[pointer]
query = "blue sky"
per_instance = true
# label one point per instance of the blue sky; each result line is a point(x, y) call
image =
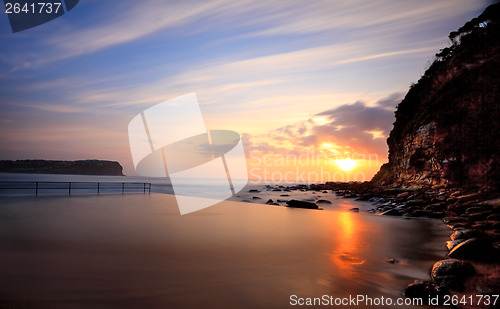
point(68, 88)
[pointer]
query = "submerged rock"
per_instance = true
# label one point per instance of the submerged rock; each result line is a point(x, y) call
point(392, 212)
point(392, 261)
point(301, 204)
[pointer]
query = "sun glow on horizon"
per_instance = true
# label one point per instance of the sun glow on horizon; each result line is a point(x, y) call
point(346, 164)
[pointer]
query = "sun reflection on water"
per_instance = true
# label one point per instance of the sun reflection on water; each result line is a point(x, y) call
point(346, 256)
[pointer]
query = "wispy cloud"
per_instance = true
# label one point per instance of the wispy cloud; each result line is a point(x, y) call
point(344, 130)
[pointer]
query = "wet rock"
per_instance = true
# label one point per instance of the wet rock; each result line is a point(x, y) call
point(392, 212)
point(423, 289)
point(284, 194)
point(417, 202)
point(386, 208)
point(323, 202)
point(392, 261)
point(467, 197)
point(256, 198)
point(324, 192)
point(450, 244)
point(281, 201)
point(253, 191)
point(301, 204)
point(465, 234)
point(493, 217)
point(355, 209)
point(475, 249)
point(403, 195)
point(270, 202)
point(450, 273)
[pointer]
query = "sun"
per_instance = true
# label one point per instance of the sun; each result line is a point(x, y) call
point(346, 164)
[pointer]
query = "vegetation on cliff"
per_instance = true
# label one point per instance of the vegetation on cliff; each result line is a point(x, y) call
point(447, 128)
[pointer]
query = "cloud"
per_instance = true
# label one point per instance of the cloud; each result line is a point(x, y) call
point(348, 129)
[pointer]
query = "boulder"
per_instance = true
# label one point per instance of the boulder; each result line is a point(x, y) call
point(465, 234)
point(450, 273)
point(323, 201)
point(301, 204)
point(423, 289)
point(355, 209)
point(475, 249)
point(270, 202)
point(403, 195)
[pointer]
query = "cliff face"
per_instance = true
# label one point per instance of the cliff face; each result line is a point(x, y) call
point(448, 125)
point(82, 167)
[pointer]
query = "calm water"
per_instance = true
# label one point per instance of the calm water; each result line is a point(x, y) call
point(136, 251)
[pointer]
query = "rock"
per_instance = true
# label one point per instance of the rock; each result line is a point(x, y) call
point(253, 191)
point(355, 209)
point(270, 202)
point(256, 198)
point(467, 197)
point(391, 261)
point(475, 249)
point(324, 192)
point(403, 195)
point(323, 202)
point(423, 289)
point(276, 190)
point(465, 234)
point(301, 204)
point(450, 244)
point(493, 217)
point(416, 202)
point(392, 212)
point(450, 273)
point(284, 194)
point(281, 201)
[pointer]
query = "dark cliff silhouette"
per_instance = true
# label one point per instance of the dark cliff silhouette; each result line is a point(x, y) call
point(81, 167)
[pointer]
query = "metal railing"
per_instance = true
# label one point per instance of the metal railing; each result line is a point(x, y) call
point(75, 186)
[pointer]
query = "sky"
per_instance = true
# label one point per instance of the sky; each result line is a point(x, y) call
point(319, 79)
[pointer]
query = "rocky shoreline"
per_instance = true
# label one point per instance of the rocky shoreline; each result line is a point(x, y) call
point(472, 266)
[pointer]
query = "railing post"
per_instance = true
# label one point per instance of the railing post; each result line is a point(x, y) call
point(36, 188)
point(98, 187)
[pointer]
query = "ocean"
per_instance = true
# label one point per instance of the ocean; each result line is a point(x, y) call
point(135, 250)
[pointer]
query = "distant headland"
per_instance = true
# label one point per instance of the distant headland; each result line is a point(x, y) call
point(80, 167)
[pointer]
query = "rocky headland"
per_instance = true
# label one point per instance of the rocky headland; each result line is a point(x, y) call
point(80, 167)
point(444, 153)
